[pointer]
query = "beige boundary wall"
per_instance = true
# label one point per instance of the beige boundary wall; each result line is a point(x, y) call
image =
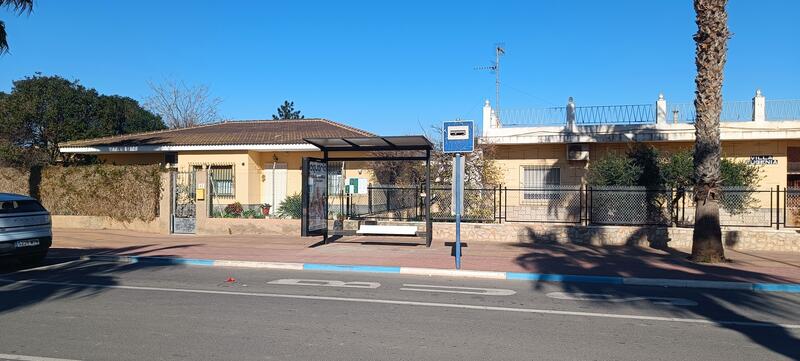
point(100, 222)
point(220, 226)
point(742, 239)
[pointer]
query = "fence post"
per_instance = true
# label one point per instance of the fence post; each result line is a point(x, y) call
point(785, 205)
point(778, 207)
point(506, 208)
point(589, 204)
point(580, 205)
point(683, 207)
point(369, 198)
point(494, 204)
point(673, 215)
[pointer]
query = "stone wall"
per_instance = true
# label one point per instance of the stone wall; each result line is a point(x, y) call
point(744, 239)
point(100, 222)
point(285, 227)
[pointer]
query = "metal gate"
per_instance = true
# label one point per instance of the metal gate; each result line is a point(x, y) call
point(184, 211)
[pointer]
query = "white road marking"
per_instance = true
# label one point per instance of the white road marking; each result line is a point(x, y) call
point(454, 289)
point(30, 358)
point(324, 283)
point(410, 303)
point(602, 297)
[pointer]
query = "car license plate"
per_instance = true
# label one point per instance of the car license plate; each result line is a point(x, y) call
point(26, 243)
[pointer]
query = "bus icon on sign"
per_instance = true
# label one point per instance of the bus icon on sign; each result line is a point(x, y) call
point(458, 132)
point(458, 136)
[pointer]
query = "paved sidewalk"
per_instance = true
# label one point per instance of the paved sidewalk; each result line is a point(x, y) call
point(755, 267)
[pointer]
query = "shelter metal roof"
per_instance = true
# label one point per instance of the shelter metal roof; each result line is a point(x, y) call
point(376, 143)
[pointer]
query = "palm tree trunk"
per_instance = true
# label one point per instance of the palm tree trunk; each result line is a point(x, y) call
point(710, 54)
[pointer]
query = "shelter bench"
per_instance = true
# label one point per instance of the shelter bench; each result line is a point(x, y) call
point(375, 229)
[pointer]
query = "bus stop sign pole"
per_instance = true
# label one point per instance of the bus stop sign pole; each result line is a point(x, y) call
point(458, 139)
point(458, 193)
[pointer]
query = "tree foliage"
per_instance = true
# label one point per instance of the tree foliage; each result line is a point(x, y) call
point(614, 170)
point(18, 6)
point(480, 169)
point(286, 111)
point(181, 105)
point(645, 165)
point(43, 111)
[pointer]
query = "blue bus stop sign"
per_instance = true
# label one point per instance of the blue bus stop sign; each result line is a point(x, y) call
point(458, 136)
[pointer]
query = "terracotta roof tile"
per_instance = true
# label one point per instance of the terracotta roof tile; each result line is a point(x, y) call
point(232, 133)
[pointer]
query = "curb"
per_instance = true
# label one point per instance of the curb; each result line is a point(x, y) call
point(521, 276)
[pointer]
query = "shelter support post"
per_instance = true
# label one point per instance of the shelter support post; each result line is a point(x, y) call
point(428, 221)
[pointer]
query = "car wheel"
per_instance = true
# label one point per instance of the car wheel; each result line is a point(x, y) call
point(34, 259)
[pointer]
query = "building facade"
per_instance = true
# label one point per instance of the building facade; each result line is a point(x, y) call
point(250, 162)
point(554, 146)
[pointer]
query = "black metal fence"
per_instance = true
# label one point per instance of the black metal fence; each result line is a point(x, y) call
point(742, 207)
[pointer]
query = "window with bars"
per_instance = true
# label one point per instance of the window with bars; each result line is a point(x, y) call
point(538, 179)
point(222, 179)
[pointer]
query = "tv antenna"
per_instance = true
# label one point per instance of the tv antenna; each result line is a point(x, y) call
point(499, 50)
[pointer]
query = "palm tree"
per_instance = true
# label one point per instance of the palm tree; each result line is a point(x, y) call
point(17, 6)
point(711, 49)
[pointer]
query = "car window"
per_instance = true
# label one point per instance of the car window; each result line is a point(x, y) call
point(23, 206)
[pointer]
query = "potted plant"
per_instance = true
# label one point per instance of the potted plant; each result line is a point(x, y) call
point(265, 209)
point(234, 210)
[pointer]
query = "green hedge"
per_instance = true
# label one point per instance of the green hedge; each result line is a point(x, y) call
point(122, 192)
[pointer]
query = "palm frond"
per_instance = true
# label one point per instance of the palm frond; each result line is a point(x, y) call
point(18, 6)
point(3, 42)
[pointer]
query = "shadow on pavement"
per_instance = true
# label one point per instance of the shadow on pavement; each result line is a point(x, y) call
point(722, 307)
point(68, 275)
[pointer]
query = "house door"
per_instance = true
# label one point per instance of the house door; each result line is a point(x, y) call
point(275, 180)
point(183, 210)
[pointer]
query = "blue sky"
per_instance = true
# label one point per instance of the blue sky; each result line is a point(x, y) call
point(389, 66)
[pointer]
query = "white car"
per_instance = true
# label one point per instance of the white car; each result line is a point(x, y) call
point(26, 232)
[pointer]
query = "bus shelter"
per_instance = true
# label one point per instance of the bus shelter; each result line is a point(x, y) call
point(389, 219)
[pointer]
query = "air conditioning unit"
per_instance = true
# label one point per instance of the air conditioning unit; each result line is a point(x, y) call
point(577, 152)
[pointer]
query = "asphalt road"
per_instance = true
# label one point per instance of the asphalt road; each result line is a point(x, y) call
point(84, 310)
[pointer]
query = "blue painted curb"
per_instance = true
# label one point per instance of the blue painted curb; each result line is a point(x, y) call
point(776, 287)
point(518, 276)
point(563, 278)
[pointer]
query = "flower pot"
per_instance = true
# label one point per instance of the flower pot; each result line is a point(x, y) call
point(265, 211)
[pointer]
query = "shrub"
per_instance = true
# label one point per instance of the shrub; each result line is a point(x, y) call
point(234, 209)
point(291, 207)
point(122, 192)
point(644, 166)
point(614, 170)
point(252, 213)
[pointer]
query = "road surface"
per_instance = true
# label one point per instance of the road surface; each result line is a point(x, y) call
point(87, 310)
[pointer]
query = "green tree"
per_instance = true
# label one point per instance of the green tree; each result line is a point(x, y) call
point(17, 6)
point(711, 42)
point(648, 159)
point(123, 115)
point(43, 111)
point(614, 169)
point(678, 169)
point(286, 111)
